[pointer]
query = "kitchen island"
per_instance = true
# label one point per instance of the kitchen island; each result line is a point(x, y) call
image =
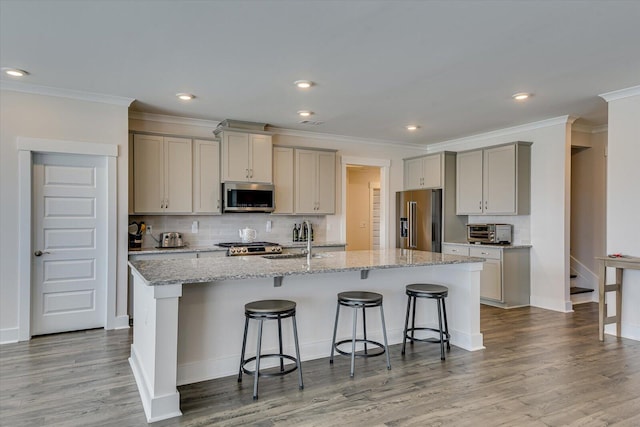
point(189, 313)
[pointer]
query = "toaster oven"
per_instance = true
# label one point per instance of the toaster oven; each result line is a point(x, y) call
point(490, 233)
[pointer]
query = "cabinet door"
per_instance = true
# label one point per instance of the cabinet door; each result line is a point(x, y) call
point(500, 180)
point(413, 174)
point(206, 176)
point(178, 194)
point(306, 179)
point(283, 179)
point(491, 280)
point(491, 275)
point(469, 183)
point(235, 156)
point(260, 160)
point(432, 171)
point(148, 173)
point(326, 193)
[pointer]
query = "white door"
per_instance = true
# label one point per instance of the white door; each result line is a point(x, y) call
point(69, 243)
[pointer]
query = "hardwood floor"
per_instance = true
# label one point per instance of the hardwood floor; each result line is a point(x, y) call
point(540, 368)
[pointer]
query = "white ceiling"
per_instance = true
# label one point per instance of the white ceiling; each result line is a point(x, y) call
point(449, 66)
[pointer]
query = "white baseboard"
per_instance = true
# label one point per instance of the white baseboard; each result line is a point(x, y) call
point(551, 304)
point(122, 322)
point(629, 331)
point(9, 335)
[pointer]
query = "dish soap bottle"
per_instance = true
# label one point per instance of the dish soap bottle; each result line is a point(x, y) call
point(295, 233)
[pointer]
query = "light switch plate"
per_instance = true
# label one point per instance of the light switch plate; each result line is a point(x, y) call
point(194, 227)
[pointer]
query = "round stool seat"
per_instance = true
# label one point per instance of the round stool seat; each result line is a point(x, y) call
point(427, 290)
point(360, 297)
point(269, 306)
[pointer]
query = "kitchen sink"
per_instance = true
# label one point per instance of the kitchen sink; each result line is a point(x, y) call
point(294, 255)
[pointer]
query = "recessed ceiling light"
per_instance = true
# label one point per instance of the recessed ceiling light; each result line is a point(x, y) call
point(521, 96)
point(185, 96)
point(412, 127)
point(305, 113)
point(303, 84)
point(14, 72)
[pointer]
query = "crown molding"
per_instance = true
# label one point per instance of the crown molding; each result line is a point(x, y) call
point(589, 128)
point(619, 94)
point(600, 129)
point(562, 120)
point(176, 120)
point(65, 93)
point(342, 138)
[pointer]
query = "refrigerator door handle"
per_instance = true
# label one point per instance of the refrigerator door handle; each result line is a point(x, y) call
point(412, 208)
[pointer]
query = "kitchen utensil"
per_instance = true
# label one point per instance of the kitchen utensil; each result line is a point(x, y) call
point(247, 235)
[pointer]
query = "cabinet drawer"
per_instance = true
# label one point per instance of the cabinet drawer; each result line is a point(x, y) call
point(455, 250)
point(489, 253)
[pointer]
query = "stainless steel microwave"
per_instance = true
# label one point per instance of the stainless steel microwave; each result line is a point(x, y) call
point(248, 197)
point(490, 233)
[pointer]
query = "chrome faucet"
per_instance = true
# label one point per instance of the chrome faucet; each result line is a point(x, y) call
point(308, 252)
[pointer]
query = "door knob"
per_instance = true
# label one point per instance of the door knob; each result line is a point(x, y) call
point(40, 253)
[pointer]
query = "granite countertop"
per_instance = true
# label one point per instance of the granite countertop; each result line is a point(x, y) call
point(200, 270)
point(190, 249)
point(487, 245)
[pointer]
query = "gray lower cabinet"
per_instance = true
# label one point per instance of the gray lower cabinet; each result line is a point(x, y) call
point(505, 277)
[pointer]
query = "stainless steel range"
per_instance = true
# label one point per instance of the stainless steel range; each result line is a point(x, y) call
point(253, 248)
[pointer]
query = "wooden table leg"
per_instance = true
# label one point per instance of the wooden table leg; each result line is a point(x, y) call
point(619, 302)
point(602, 306)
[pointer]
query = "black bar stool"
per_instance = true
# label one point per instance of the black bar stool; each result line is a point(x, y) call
point(439, 293)
point(269, 310)
point(356, 300)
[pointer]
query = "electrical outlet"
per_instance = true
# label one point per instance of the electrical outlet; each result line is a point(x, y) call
point(194, 227)
point(268, 227)
point(149, 229)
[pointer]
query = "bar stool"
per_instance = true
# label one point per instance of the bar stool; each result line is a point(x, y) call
point(429, 291)
point(269, 310)
point(356, 300)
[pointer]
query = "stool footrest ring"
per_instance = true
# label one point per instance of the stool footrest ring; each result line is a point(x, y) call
point(377, 350)
point(445, 336)
point(274, 374)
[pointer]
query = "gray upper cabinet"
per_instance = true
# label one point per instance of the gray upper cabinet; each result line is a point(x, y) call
point(246, 157)
point(162, 168)
point(494, 181)
point(423, 172)
point(206, 177)
point(315, 182)
point(283, 179)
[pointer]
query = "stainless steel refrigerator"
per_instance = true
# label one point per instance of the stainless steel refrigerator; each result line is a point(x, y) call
point(419, 220)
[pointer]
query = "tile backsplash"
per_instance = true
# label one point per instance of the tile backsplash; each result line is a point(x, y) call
point(214, 229)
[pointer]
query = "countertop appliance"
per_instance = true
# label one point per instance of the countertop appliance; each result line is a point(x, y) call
point(171, 239)
point(419, 220)
point(497, 234)
point(248, 197)
point(252, 248)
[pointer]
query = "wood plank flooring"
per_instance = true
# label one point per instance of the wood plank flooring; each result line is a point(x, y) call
point(540, 368)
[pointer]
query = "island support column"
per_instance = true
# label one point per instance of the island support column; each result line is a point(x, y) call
point(154, 351)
